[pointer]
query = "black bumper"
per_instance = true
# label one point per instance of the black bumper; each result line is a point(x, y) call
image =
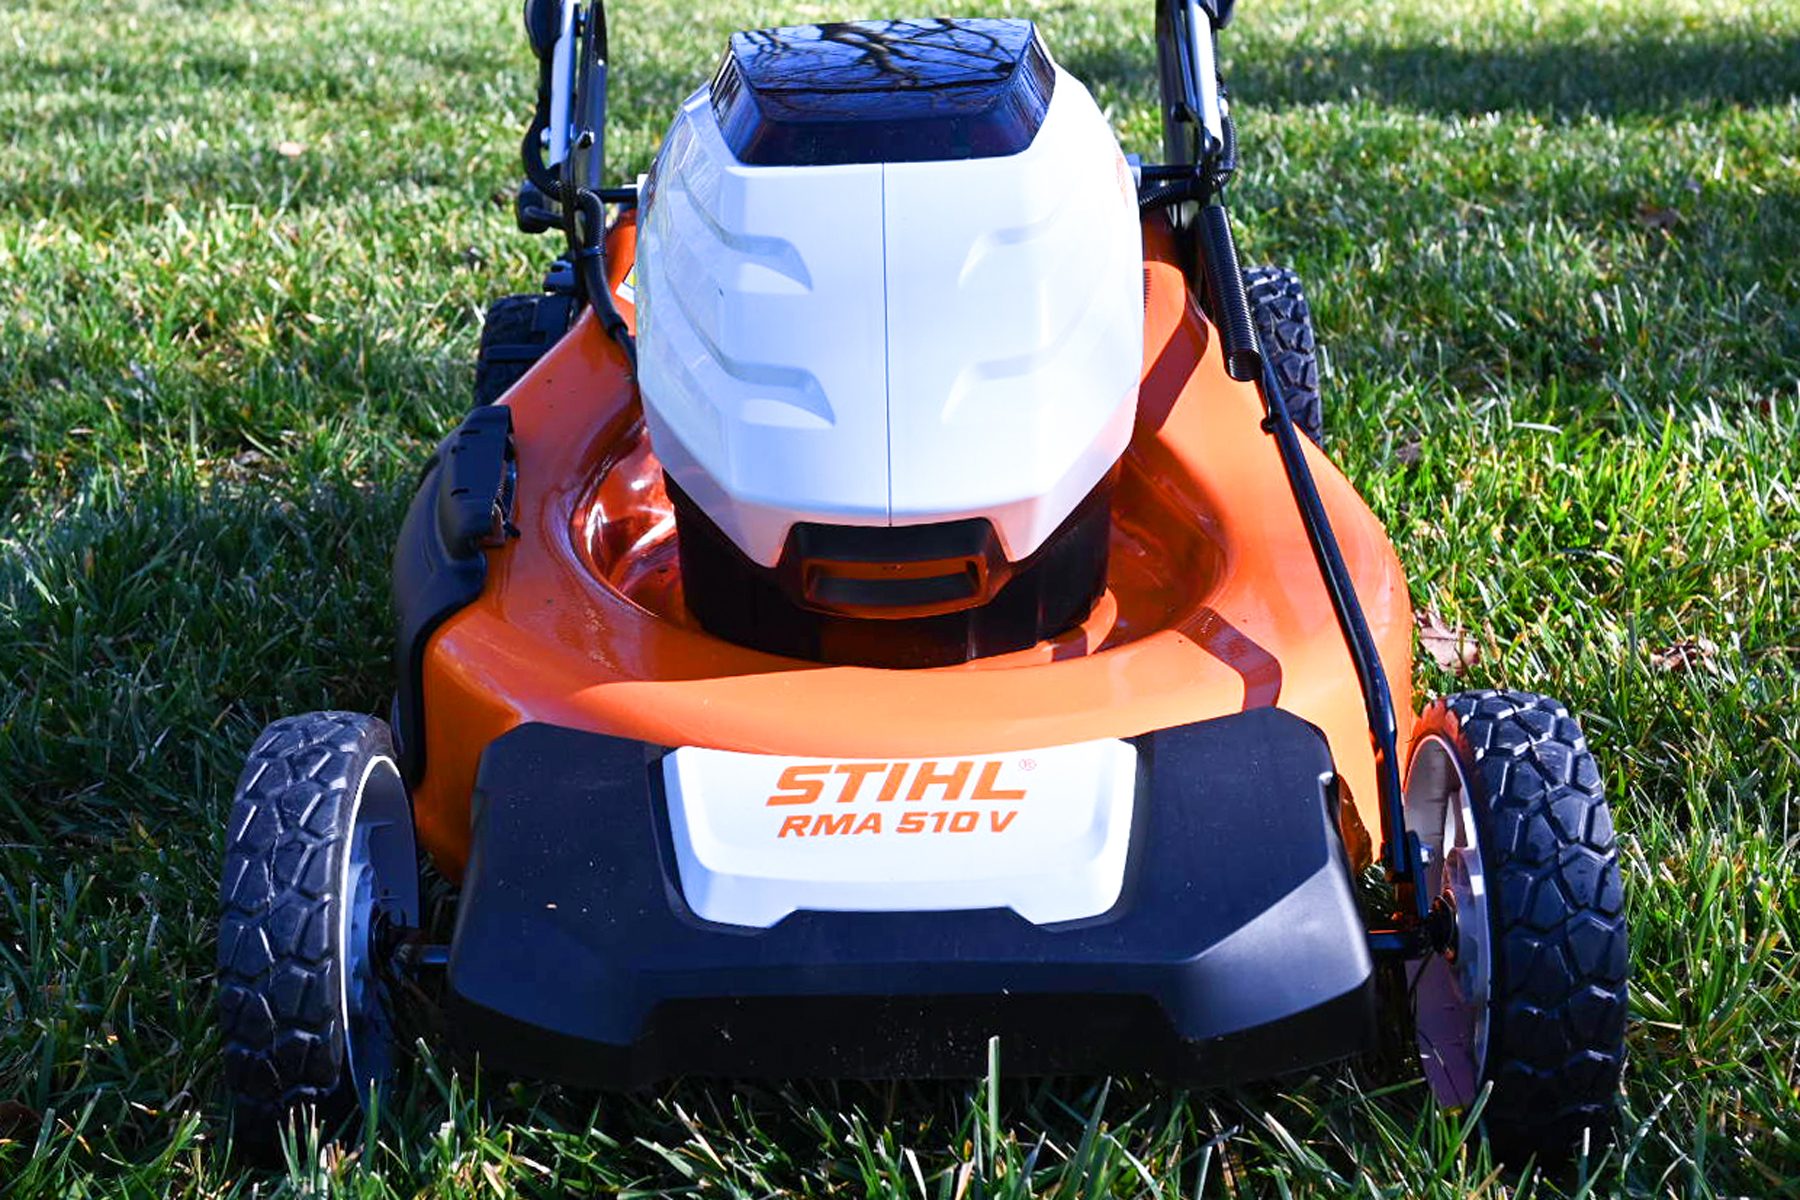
point(1235, 950)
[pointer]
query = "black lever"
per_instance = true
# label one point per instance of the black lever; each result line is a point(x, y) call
point(543, 25)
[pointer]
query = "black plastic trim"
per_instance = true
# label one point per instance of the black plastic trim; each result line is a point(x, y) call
point(926, 1037)
point(463, 505)
point(1236, 948)
point(895, 596)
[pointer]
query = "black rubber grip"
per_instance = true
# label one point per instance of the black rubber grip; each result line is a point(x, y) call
point(1231, 303)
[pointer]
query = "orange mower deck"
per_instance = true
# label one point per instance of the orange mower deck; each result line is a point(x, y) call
point(1214, 601)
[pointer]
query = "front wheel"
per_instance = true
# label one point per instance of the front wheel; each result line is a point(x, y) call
point(320, 864)
point(1529, 995)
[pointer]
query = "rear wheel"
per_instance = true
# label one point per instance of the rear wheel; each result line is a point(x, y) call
point(320, 863)
point(1284, 326)
point(517, 331)
point(1530, 996)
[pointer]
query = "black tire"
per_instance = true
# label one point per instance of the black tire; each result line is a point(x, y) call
point(290, 1015)
point(517, 331)
point(1284, 325)
point(1555, 1046)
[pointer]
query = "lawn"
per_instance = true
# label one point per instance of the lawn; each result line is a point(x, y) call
point(1554, 249)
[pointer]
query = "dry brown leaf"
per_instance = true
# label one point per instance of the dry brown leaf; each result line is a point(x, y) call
point(1690, 654)
point(1655, 216)
point(19, 1120)
point(1450, 648)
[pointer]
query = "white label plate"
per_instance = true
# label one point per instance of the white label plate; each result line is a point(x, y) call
point(1042, 832)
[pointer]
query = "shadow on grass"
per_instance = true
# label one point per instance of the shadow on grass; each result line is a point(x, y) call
point(1649, 74)
point(343, 397)
point(320, 74)
point(104, 195)
point(155, 625)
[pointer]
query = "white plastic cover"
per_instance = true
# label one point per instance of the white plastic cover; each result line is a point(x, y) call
point(1043, 832)
point(900, 343)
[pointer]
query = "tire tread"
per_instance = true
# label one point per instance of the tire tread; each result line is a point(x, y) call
point(283, 1045)
point(517, 331)
point(1556, 1042)
point(1284, 325)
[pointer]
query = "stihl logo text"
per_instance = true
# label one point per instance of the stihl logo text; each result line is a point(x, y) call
point(808, 784)
point(957, 782)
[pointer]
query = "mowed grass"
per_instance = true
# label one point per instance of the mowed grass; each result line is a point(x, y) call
point(1554, 251)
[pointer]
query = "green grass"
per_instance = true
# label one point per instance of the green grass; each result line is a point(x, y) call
point(1554, 249)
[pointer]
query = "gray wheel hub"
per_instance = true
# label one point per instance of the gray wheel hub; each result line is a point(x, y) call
point(1451, 990)
point(379, 885)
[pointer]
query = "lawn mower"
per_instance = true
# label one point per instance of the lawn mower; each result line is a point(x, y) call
point(888, 596)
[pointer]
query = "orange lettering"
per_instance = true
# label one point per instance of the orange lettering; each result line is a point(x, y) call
point(952, 783)
point(985, 789)
point(1001, 820)
point(795, 825)
point(857, 772)
point(870, 824)
point(891, 787)
point(959, 825)
point(797, 786)
point(824, 824)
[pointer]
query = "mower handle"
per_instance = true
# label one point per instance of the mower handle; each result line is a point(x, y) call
point(1188, 77)
point(1200, 149)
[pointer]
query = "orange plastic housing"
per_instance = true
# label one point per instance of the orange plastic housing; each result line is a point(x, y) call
point(1214, 602)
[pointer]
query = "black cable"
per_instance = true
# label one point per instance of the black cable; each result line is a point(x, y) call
point(1160, 194)
point(1227, 163)
point(532, 151)
point(1230, 300)
point(587, 221)
point(1371, 676)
